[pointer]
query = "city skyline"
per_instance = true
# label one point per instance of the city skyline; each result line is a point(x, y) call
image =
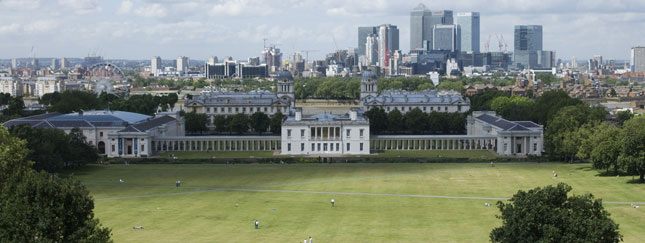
point(199, 29)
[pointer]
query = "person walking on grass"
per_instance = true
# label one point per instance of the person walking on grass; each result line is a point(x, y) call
point(257, 224)
point(332, 202)
point(311, 240)
point(178, 183)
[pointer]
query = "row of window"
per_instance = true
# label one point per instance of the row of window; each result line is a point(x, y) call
point(324, 147)
point(409, 108)
point(348, 132)
point(243, 109)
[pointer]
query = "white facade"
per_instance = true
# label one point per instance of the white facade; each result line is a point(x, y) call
point(155, 66)
point(325, 134)
point(182, 64)
point(514, 138)
point(49, 84)
point(11, 85)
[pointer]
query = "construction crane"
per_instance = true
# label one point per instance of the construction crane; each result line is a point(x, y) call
point(487, 44)
point(307, 53)
point(264, 40)
point(335, 44)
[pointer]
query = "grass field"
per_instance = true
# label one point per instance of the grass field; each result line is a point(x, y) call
point(374, 202)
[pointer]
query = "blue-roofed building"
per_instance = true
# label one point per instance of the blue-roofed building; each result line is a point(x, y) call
point(111, 132)
point(404, 101)
point(516, 138)
point(325, 134)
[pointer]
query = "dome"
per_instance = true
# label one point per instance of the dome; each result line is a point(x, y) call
point(285, 75)
point(369, 75)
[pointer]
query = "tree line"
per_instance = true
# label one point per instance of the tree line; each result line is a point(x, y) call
point(258, 123)
point(415, 122)
point(74, 101)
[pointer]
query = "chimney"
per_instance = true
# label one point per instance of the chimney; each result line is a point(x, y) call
point(298, 114)
point(353, 114)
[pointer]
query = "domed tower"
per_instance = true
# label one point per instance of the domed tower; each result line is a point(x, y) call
point(369, 86)
point(286, 86)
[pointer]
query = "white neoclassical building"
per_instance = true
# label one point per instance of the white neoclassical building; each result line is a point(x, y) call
point(516, 138)
point(404, 101)
point(325, 134)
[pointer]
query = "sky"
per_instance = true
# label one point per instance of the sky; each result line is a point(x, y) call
point(140, 29)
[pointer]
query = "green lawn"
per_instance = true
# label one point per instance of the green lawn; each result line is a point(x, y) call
point(218, 154)
point(480, 154)
point(204, 208)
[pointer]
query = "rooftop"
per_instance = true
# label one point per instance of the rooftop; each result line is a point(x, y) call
point(507, 125)
point(418, 97)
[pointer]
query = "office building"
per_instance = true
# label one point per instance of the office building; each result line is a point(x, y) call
point(388, 42)
point(363, 33)
point(545, 59)
point(49, 84)
point(422, 22)
point(155, 66)
point(55, 64)
point(182, 65)
point(372, 50)
point(469, 24)
point(637, 60)
point(325, 134)
point(14, 63)
point(446, 37)
point(64, 63)
point(528, 41)
point(272, 57)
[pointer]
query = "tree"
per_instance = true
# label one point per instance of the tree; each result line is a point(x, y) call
point(259, 122)
point(276, 123)
point(39, 207)
point(447, 85)
point(15, 106)
point(624, 116)
point(549, 103)
point(549, 215)
point(513, 108)
point(632, 156)
point(437, 122)
point(378, 120)
point(612, 92)
point(239, 123)
point(13, 156)
point(560, 136)
point(482, 101)
point(221, 123)
point(415, 120)
point(196, 123)
point(395, 121)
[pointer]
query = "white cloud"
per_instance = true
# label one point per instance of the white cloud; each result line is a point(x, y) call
point(17, 5)
point(152, 10)
point(252, 8)
point(9, 29)
point(125, 7)
point(82, 6)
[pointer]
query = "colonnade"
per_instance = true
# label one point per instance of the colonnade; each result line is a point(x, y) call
point(196, 143)
point(433, 143)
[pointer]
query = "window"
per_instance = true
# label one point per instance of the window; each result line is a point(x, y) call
point(143, 148)
point(237, 109)
point(402, 108)
point(318, 147)
point(288, 132)
point(424, 108)
point(302, 147)
point(302, 132)
point(505, 146)
point(265, 109)
point(348, 132)
point(535, 147)
point(361, 146)
point(337, 146)
point(243, 109)
point(459, 108)
point(325, 148)
point(432, 108)
point(347, 146)
point(361, 132)
point(388, 108)
point(112, 147)
point(313, 147)
point(445, 108)
point(208, 110)
point(288, 146)
point(229, 109)
point(101, 134)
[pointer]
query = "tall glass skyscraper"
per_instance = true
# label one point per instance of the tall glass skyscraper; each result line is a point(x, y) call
point(422, 22)
point(469, 22)
point(363, 33)
point(446, 37)
point(528, 41)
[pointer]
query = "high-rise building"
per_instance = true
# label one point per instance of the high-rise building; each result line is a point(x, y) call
point(14, 63)
point(546, 59)
point(420, 18)
point(363, 33)
point(272, 58)
point(528, 41)
point(446, 37)
point(55, 65)
point(469, 24)
point(155, 66)
point(182, 64)
point(64, 63)
point(212, 60)
point(371, 48)
point(422, 22)
point(637, 61)
point(388, 42)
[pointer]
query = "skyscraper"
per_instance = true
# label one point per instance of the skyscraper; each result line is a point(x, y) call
point(422, 22)
point(155, 66)
point(55, 64)
point(388, 42)
point(182, 64)
point(272, 58)
point(371, 50)
point(528, 41)
point(363, 33)
point(420, 17)
point(14, 63)
point(469, 23)
point(637, 61)
point(64, 63)
point(446, 37)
